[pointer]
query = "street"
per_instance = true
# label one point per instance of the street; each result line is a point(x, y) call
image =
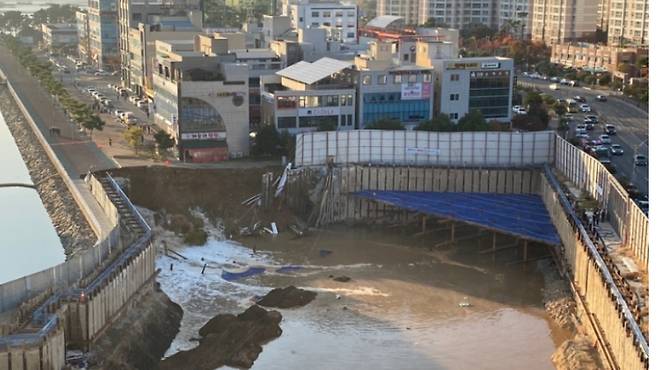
point(631, 122)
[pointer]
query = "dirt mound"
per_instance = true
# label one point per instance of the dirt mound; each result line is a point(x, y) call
point(576, 353)
point(287, 297)
point(342, 279)
point(229, 340)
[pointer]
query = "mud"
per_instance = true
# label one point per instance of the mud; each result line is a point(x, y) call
point(342, 279)
point(70, 224)
point(577, 353)
point(288, 297)
point(229, 340)
point(139, 339)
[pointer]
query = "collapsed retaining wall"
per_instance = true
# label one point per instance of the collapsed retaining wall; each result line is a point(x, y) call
point(602, 309)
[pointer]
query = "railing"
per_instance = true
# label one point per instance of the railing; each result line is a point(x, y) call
point(614, 293)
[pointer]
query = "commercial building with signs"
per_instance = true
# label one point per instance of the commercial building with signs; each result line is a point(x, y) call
point(103, 33)
point(387, 90)
point(59, 35)
point(307, 95)
point(470, 84)
point(82, 24)
point(201, 98)
point(339, 17)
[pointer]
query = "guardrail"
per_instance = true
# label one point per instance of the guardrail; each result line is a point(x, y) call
point(617, 299)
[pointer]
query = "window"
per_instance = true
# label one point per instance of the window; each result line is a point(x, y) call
point(326, 14)
point(315, 24)
point(346, 100)
point(413, 78)
point(301, 19)
point(454, 115)
point(350, 35)
point(326, 24)
point(454, 77)
point(315, 14)
point(350, 14)
point(427, 77)
point(406, 57)
point(339, 14)
point(286, 102)
point(397, 79)
point(381, 79)
point(286, 122)
point(454, 97)
point(367, 79)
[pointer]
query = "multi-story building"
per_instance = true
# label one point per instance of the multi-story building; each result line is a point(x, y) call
point(340, 18)
point(82, 24)
point(202, 99)
point(405, 9)
point(558, 21)
point(260, 62)
point(595, 58)
point(627, 22)
point(388, 90)
point(457, 13)
point(130, 13)
point(475, 84)
point(59, 35)
point(515, 16)
point(307, 95)
point(103, 33)
point(142, 49)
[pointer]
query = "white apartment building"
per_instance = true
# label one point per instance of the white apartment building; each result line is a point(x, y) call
point(558, 21)
point(516, 15)
point(457, 13)
point(340, 18)
point(407, 9)
point(627, 22)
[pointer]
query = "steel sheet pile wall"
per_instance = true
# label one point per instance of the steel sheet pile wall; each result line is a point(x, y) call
point(341, 206)
point(463, 149)
point(604, 313)
point(586, 172)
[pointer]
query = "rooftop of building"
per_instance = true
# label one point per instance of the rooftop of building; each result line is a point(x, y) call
point(254, 54)
point(310, 73)
point(386, 21)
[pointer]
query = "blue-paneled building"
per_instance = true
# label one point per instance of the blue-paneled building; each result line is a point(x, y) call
point(103, 34)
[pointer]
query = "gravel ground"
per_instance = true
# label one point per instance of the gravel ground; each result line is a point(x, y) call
point(70, 224)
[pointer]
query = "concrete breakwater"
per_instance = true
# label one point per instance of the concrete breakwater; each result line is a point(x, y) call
point(69, 222)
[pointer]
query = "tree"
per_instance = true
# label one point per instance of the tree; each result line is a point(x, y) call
point(386, 124)
point(472, 121)
point(267, 140)
point(560, 110)
point(439, 123)
point(93, 122)
point(532, 98)
point(326, 125)
point(133, 136)
point(163, 141)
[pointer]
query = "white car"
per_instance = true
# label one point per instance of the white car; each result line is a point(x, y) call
point(522, 111)
point(515, 109)
point(142, 104)
point(119, 112)
point(585, 108)
point(605, 139)
point(126, 115)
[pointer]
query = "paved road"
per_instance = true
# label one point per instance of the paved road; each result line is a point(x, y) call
point(74, 149)
point(632, 125)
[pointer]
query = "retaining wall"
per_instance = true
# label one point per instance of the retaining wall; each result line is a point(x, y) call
point(341, 206)
point(604, 311)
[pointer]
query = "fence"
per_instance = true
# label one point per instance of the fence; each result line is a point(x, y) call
point(462, 149)
point(607, 311)
point(587, 173)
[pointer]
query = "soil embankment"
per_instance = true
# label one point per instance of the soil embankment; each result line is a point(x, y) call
point(218, 192)
point(229, 340)
point(70, 224)
point(287, 297)
point(139, 339)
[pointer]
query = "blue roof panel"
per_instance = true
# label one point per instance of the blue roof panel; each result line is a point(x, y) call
point(522, 215)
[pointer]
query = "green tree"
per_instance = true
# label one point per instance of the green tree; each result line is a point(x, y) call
point(326, 125)
point(133, 136)
point(93, 122)
point(532, 98)
point(163, 141)
point(386, 124)
point(267, 141)
point(439, 123)
point(472, 121)
point(560, 110)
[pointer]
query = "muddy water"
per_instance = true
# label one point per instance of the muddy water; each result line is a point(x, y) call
point(400, 310)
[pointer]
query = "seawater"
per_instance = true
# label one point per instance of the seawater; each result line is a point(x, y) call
point(28, 240)
point(400, 311)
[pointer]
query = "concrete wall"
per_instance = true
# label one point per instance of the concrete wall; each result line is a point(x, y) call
point(464, 149)
point(602, 309)
point(587, 173)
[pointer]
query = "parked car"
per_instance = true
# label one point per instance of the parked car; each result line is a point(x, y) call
point(601, 98)
point(592, 117)
point(133, 99)
point(118, 113)
point(555, 79)
point(581, 127)
point(554, 87)
point(610, 130)
point(125, 115)
point(589, 126)
point(605, 139)
point(582, 135)
point(579, 99)
point(564, 81)
point(515, 108)
point(130, 120)
point(640, 160)
point(123, 92)
point(142, 104)
point(585, 108)
point(616, 149)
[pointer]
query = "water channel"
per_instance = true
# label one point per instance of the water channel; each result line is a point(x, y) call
point(28, 241)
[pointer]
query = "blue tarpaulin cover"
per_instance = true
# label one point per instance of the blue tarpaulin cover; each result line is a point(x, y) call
point(522, 215)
